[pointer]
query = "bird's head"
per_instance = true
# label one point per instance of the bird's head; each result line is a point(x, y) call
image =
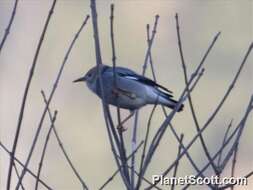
point(89, 77)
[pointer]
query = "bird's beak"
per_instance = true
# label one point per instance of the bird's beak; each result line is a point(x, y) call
point(80, 79)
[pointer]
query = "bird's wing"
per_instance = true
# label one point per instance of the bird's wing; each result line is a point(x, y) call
point(129, 74)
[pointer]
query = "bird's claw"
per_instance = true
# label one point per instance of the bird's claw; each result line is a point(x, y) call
point(121, 128)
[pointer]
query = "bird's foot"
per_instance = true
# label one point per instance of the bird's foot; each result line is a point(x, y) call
point(121, 128)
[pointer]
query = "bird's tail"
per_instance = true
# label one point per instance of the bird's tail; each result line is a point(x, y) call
point(166, 100)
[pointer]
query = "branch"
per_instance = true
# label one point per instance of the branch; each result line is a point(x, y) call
point(150, 43)
point(176, 166)
point(115, 173)
point(50, 98)
point(7, 30)
point(170, 116)
point(44, 150)
point(144, 147)
point(236, 142)
point(194, 116)
point(234, 163)
point(237, 130)
point(148, 56)
point(28, 84)
point(27, 169)
point(123, 158)
point(61, 144)
point(17, 173)
point(224, 139)
point(107, 116)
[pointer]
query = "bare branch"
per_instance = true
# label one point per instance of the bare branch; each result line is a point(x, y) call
point(238, 130)
point(23, 104)
point(148, 56)
point(61, 144)
point(170, 116)
point(176, 166)
point(115, 173)
point(7, 30)
point(107, 116)
point(17, 173)
point(27, 169)
point(194, 116)
point(51, 97)
point(224, 139)
point(234, 163)
point(44, 150)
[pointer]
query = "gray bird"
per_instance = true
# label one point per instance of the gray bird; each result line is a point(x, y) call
point(132, 91)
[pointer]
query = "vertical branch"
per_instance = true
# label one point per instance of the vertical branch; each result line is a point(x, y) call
point(171, 127)
point(234, 163)
point(95, 30)
point(44, 150)
point(133, 143)
point(115, 173)
point(237, 140)
point(194, 116)
point(150, 43)
point(108, 120)
point(123, 158)
point(61, 144)
point(28, 84)
point(17, 173)
point(50, 98)
point(165, 114)
point(238, 130)
point(224, 140)
point(177, 163)
point(7, 30)
point(144, 147)
point(163, 127)
point(148, 56)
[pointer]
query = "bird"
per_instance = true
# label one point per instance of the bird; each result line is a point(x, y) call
point(127, 89)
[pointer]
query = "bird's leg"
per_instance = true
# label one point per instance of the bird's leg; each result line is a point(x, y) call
point(120, 126)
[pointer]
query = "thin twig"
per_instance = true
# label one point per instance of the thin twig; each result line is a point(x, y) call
point(7, 30)
point(44, 150)
point(170, 116)
point(123, 158)
point(107, 116)
point(171, 127)
point(116, 172)
point(220, 104)
point(224, 139)
point(236, 142)
point(51, 97)
point(148, 56)
point(234, 163)
point(17, 173)
point(28, 170)
point(194, 116)
point(143, 178)
point(145, 144)
point(164, 111)
point(23, 104)
point(61, 144)
point(151, 40)
point(176, 166)
point(237, 130)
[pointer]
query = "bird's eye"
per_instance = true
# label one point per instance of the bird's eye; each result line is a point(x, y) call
point(89, 75)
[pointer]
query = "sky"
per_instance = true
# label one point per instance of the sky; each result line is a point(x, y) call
point(80, 121)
